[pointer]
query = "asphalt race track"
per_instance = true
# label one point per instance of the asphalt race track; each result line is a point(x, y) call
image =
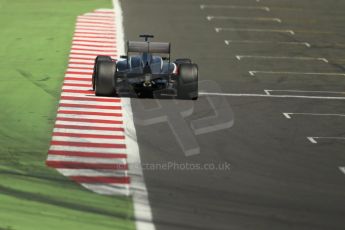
point(278, 178)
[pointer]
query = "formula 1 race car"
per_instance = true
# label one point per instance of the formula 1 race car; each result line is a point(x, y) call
point(146, 73)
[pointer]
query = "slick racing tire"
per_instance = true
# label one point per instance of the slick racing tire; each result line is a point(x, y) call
point(105, 79)
point(95, 67)
point(187, 82)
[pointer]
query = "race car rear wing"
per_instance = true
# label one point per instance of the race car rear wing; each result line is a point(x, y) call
point(148, 47)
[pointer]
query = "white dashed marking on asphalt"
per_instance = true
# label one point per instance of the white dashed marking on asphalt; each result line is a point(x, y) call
point(211, 17)
point(342, 169)
point(235, 7)
point(268, 91)
point(289, 115)
point(228, 42)
point(254, 72)
point(269, 96)
point(314, 139)
point(220, 29)
point(240, 57)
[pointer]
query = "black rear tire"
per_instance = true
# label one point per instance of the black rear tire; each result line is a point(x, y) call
point(95, 67)
point(105, 79)
point(187, 82)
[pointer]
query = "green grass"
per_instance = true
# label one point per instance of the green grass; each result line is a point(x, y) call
point(34, 45)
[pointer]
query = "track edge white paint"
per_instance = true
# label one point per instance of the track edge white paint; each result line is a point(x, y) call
point(138, 190)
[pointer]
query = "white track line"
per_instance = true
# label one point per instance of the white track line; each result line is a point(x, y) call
point(88, 140)
point(92, 35)
point(96, 21)
point(314, 140)
point(80, 65)
point(77, 88)
point(93, 98)
point(228, 42)
point(110, 110)
point(289, 115)
point(76, 60)
point(292, 32)
point(83, 131)
point(100, 40)
point(99, 15)
point(108, 189)
point(235, 7)
point(220, 29)
point(72, 65)
point(92, 45)
point(93, 27)
point(254, 72)
point(112, 49)
point(211, 18)
point(342, 169)
point(108, 19)
point(91, 124)
point(86, 149)
point(105, 11)
point(93, 52)
point(84, 81)
point(79, 81)
point(99, 21)
point(81, 76)
point(90, 102)
point(77, 94)
point(269, 96)
point(95, 160)
point(93, 172)
point(72, 56)
point(93, 31)
point(142, 209)
point(95, 117)
point(313, 32)
point(79, 70)
point(240, 57)
point(91, 57)
point(268, 91)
